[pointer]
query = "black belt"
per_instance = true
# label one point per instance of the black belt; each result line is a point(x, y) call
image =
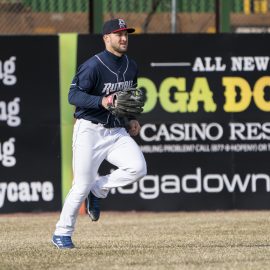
point(94, 122)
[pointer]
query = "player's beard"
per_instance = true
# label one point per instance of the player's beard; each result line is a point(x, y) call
point(120, 49)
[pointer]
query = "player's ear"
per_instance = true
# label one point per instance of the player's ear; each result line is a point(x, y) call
point(105, 38)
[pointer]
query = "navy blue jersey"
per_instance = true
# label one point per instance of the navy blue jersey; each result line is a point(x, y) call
point(99, 76)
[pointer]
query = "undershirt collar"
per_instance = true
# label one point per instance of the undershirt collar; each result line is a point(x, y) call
point(114, 57)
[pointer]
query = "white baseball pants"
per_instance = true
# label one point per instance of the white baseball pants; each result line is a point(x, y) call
point(92, 143)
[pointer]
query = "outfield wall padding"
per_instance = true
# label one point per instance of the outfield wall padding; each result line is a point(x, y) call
point(205, 129)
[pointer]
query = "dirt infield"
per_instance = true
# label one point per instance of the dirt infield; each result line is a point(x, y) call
point(138, 240)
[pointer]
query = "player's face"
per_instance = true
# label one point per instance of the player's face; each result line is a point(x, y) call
point(117, 43)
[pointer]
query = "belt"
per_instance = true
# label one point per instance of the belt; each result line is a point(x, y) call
point(104, 125)
point(94, 122)
point(108, 125)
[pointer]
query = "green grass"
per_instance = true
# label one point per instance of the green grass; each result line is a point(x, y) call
point(132, 240)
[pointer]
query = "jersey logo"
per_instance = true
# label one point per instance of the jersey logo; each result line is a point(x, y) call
point(113, 87)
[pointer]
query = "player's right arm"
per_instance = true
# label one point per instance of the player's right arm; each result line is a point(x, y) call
point(81, 86)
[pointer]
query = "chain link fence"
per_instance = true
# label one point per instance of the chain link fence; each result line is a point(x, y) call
point(147, 16)
point(43, 16)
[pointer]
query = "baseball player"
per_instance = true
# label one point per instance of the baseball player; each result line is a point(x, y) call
point(99, 134)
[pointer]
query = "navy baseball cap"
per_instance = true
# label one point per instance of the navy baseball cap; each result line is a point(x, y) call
point(116, 25)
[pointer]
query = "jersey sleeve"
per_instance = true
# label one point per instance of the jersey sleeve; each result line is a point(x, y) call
point(83, 83)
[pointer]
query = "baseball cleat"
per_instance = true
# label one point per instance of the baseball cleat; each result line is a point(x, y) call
point(93, 207)
point(62, 242)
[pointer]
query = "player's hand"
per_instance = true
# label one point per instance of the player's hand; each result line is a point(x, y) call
point(108, 101)
point(134, 128)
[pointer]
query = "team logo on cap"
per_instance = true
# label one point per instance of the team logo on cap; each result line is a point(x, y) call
point(122, 23)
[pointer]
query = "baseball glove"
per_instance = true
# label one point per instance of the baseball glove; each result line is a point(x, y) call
point(127, 103)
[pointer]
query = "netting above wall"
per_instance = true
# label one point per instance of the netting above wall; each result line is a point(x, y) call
point(43, 16)
point(147, 16)
point(155, 16)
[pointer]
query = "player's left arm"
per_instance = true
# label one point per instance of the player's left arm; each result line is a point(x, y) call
point(134, 126)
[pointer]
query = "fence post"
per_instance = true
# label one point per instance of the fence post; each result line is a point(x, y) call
point(223, 8)
point(95, 16)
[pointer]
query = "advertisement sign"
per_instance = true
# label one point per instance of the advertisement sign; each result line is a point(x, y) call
point(205, 129)
point(30, 178)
